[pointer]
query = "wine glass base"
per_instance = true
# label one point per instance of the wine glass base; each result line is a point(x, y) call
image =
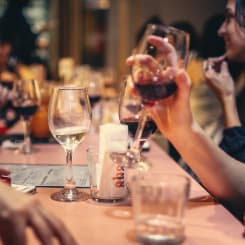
point(23, 150)
point(69, 195)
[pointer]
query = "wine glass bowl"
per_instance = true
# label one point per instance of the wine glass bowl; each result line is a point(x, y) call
point(161, 50)
point(69, 119)
point(95, 96)
point(26, 99)
point(94, 89)
point(130, 110)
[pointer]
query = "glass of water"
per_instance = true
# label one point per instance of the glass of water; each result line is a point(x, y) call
point(159, 201)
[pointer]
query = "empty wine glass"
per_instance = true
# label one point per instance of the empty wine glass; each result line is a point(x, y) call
point(130, 111)
point(161, 51)
point(69, 119)
point(26, 99)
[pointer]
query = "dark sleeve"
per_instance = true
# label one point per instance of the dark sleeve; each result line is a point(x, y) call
point(233, 142)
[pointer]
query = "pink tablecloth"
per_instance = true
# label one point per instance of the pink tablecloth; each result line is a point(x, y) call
point(206, 221)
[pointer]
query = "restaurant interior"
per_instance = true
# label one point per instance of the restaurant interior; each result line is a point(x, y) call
point(102, 33)
point(77, 35)
point(86, 43)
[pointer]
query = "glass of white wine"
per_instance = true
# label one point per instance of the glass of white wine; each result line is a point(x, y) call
point(69, 119)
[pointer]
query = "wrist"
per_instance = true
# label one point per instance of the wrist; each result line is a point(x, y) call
point(185, 141)
point(227, 99)
point(230, 111)
point(181, 133)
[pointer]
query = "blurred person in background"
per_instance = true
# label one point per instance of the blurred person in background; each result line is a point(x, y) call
point(8, 73)
point(204, 103)
point(25, 42)
point(14, 25)
point(18, 59)
point(219, 78)
point(208, 104)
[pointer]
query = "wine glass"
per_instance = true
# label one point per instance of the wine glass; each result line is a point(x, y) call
point(130, 111)
point(94, 89)
point(26, 99)
point(69, 119)
point(95, 96)
point(161, 51)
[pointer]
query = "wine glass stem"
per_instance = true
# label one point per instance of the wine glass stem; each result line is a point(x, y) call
point(136, 145)
point(27, 139)
point(70, 183)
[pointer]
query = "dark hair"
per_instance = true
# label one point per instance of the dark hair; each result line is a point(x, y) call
point(188, 27)
point(212, 44)
point(152, 20)
point(15, 30)
point(240, 12)
point(18, 3)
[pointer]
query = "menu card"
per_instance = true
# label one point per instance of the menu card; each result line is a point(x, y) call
point(46, 175)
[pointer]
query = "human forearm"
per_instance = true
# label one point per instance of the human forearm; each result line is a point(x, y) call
point(231, 117)
point(220, 174)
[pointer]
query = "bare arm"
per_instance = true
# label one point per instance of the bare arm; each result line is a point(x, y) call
point(223, 85)
point(222, 175)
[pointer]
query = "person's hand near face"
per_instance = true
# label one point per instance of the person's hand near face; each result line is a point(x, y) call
point(217, 76)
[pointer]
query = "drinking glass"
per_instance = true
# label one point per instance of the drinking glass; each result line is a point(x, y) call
point(69, 119)
point(130, 111)
point(161, 51)
point(26, 99)
point(94, 89)
point(159, 203)
point(95, 96)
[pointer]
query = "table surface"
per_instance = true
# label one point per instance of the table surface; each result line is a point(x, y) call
point(206, 222)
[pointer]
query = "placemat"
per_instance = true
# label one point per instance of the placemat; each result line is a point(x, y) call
point(45, 175)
